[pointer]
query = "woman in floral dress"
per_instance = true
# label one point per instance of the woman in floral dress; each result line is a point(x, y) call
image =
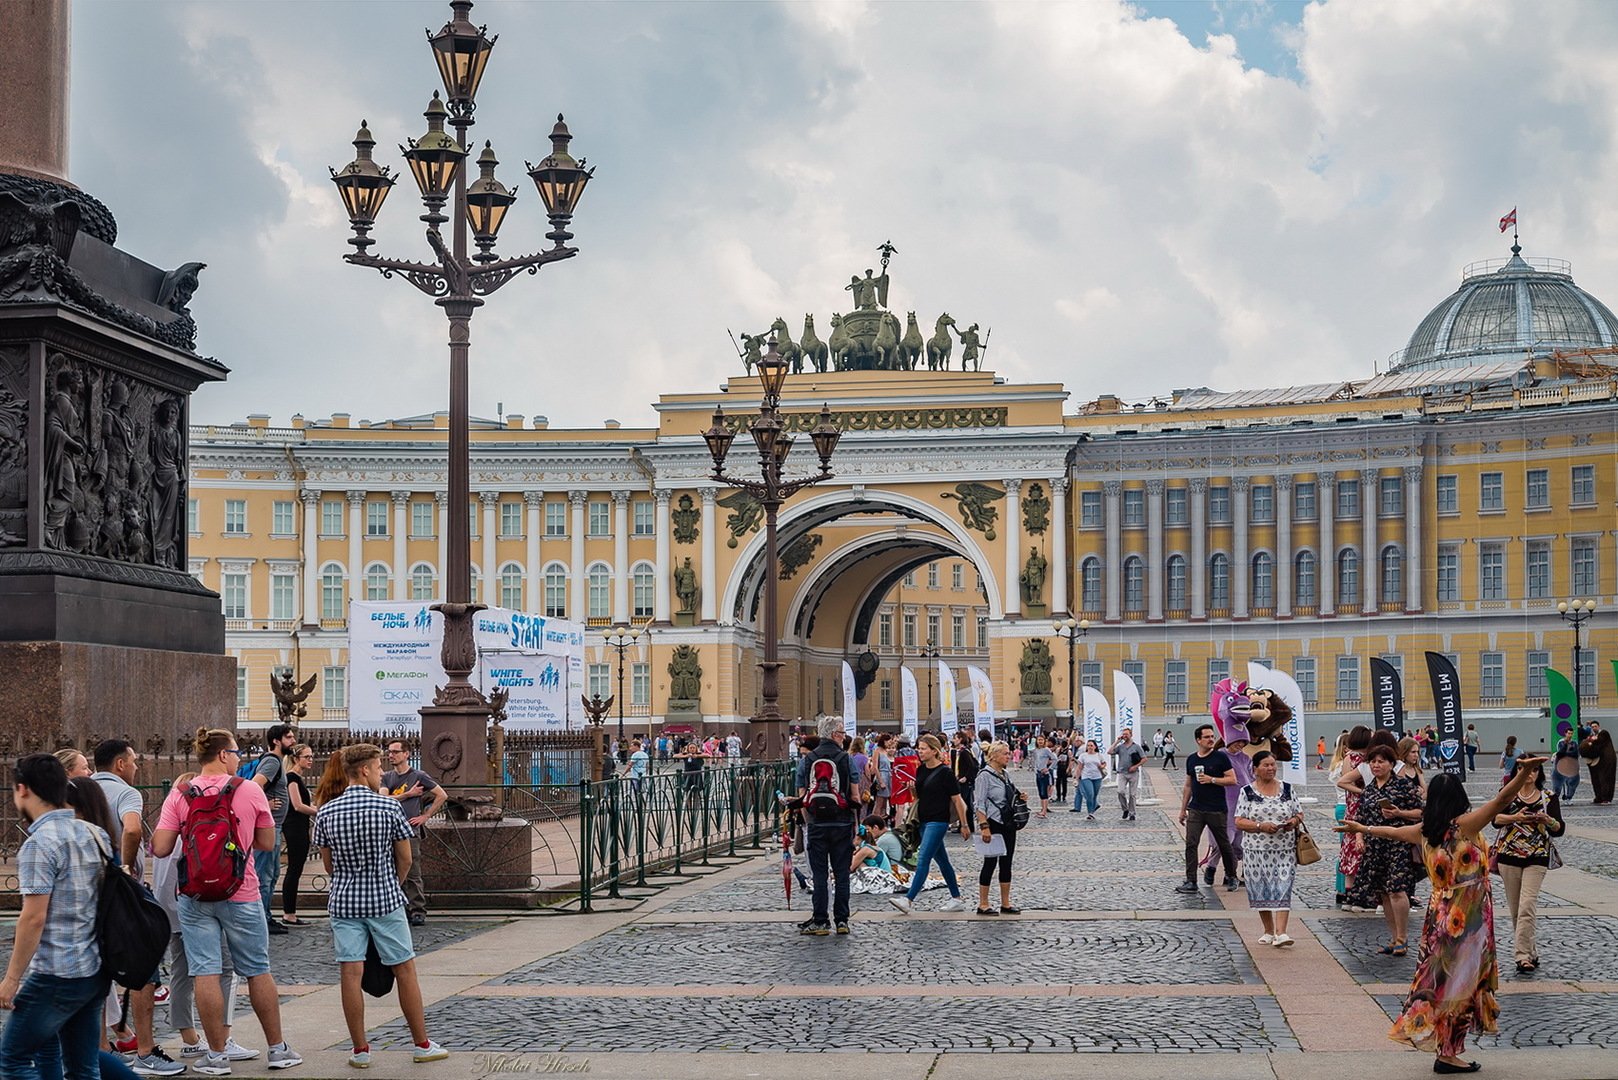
point(1385, 870)
point(1268, 813)
point(1347, 777)
point(1454, 988)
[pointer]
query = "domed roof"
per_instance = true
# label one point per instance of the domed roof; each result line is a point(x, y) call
point(1510, 309)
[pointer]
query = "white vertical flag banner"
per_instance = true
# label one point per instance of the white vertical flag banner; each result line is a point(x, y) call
point(850, 720)
point(982, 696)
point(1126, 708)
point(948, 723)
point(1097, 716)
point(909, 701)
point(1296, 771)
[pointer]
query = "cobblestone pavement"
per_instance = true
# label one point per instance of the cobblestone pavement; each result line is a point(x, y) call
point(1571, 947)
point(1544, 1020)
point(755, 1024)
point(1587, 854)
point(1008, 951)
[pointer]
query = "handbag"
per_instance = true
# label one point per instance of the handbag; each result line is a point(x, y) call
point(1308, 851)
point(1016, 808)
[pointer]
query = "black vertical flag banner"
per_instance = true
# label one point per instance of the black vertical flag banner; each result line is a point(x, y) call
point(1387, 697)
point(1447, 703)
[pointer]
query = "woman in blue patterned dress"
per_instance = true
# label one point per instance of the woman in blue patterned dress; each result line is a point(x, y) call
point(1269, 814)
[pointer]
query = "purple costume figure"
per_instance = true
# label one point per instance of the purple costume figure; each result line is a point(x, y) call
point(1229, 705)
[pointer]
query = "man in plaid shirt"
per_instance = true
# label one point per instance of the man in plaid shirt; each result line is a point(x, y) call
point(53, 985)
point(364, 842)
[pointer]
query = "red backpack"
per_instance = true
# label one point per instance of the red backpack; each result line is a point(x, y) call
point(212, 863)
point(826, 797)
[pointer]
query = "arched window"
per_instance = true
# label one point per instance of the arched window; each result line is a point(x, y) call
point(1219, 582)
point(1303, 580)
point(600, 579)
point(556, 591)
point(1264, 580)
point(511, 586)
point(1393, 573)
point(1176, 576)
point(423, 583)
point(1348, 578)
point(1134, 584)
point(332, 580)
point(644, 588)
point(1090, 584)
point(377, 584)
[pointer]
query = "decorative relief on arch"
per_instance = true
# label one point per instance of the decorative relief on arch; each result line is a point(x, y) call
point(685, 516)
point(975, 503)
point(746, 513)
point(796, 555)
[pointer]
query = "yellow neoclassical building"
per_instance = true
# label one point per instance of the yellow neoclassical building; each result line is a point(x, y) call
point(1448, 504)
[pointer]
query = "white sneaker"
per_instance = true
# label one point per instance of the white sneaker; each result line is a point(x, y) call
point(1281, 941)
point(954, 903)
point(431, 1052)
point(235, 1051)
point(900, 902)
point(194, 1050)
point(359, 1059)
point(1266, 939)
point(284, 1057)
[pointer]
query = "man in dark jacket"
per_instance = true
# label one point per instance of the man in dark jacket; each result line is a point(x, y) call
point(831, 831)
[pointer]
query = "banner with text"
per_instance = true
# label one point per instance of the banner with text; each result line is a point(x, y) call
point(1387, 697)
point(1097, 716)
point(1447, 703)
point(850, 720)
point(982, 697)
point(909, 705)
point(1125, 710)
point(948, 722)
point(1285, 687)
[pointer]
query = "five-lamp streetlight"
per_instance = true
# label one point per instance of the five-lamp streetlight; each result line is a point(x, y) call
point(620, 638)
point(930, 651)
point(458, 282)
point(1072, 631)
point(774, 443)
point(1578, 612)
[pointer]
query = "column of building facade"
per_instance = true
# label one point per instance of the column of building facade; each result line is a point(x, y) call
point(709, 585)
point(441, 498)
point(660, 592)
point(1413, 548)
point(1154, 550)
point(1241, 569)
point(1113, 571)
point(1059, 567)
point(356, 545)
point(401, 523)
point(1370, 564)
point(620, 557)
point(1013, 591)
point(1199, 548)
point(1326, 561)
point(311, 556)
point(491, 571)
point(534, 503)
point(1283, 547)
point(579, 602)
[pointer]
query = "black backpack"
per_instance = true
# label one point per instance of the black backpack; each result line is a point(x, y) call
point(132, 929)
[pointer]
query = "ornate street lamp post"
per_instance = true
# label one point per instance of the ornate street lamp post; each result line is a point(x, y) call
point(621, 638)
point(771, 490)
point(1072, 631)
point(457, 283)
point(1578, 613)
point(930, 651)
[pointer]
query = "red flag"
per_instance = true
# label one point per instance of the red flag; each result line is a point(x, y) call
point(1509, 221)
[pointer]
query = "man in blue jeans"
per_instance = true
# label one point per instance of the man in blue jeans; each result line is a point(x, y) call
point(271, 775)
point(831, 832)
point(53, 985)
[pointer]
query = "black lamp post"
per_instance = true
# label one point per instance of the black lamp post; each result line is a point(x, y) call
point(1578, 613)
point(930, 651)
point(621, 638)
point(774, 444)
point(1072, 631)
point(458, 284)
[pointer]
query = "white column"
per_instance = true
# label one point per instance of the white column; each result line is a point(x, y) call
point(580, 601)
point(709, 585)
point(490, 576)
point(1154, 550)
point(660, 594)
point(356, 546)
point(1413, 549)
point(533, 501)
point(401, 557)
point(1199, 548)
point(1113, 572)
point(1370, 564)
point(1013, 591)
point(620, 557)
point(311, 557)
point(442, 498)
point(1241, 573)
point(1326, 564)
point(1283, 547)
point(1059, 567)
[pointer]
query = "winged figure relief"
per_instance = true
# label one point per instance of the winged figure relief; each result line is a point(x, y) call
point(976, 504)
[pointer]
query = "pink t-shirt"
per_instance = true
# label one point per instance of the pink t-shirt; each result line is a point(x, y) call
point(252, 812)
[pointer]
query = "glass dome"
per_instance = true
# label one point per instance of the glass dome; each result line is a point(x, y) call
point(1509, 309)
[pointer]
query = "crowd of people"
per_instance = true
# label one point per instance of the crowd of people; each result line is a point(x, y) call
point(214, 857)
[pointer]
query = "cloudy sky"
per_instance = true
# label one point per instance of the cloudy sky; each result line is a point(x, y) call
point(1133, 197)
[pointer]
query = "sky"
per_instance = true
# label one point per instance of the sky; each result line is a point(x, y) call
point(1130, 197)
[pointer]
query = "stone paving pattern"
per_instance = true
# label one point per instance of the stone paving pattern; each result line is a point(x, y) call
point(1571, 947)
point(1544, 1020)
